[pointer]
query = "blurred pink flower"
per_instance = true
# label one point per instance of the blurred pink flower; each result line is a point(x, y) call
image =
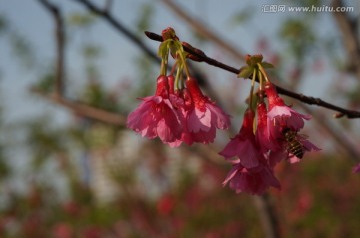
point(63, 230)
point(156, 116)
point(243, 145)
point(203, 116)
point(356, 168)
point(165, 204)
point(92, 231)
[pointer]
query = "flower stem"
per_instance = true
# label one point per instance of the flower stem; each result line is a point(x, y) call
point(183, 60)
point(164, 63)
point(252, 88)
point(263, 72)
point(261, 93)
point(177, 77)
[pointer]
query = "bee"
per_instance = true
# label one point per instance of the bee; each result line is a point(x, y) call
point(294, 146)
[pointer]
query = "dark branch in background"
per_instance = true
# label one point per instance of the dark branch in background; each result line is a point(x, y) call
point(108, 5)
point(348, 27)
point(57, 97)
point(301, 97)
point(203, 29)
point(107, 16)
point(60, 41)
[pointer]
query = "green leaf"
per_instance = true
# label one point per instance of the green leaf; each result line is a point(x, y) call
point(267, 65)
point(163, 48)
point(246, 72)
point(253, 60)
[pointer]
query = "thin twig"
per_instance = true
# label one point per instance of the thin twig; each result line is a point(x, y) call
point(301, 97)
point(111, 19)
point(57, 97)
point(85, 110)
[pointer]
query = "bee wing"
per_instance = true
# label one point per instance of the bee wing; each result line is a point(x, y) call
point(302, 136)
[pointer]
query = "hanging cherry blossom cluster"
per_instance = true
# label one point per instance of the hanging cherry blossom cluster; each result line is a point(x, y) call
point(180, 112)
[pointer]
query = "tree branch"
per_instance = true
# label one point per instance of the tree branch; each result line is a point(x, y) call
point(203, 29)
point(351, 43)
point(60, 46)
point(85, 110)
point(301, 97)
point(57, 97)
point(341, 140)
point(105, 13)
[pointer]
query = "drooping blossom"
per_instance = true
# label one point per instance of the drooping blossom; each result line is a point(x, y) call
point(264, 138)
point(203, 116)
point(243, 145)
point(156, 116)
point(280, 118)
point(285, 154)
point(280, 115)
point(255, 180)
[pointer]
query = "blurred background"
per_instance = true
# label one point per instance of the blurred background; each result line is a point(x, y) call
point(72, 70)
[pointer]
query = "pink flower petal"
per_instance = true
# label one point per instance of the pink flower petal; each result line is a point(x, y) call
point(164, 132)
point(278, 111)
point(230, 149)
point(219, 117)
point(293, 159)
point(205, 118)
point(253, 181)
point(231, 174)
point(194, 122)
point(204, 137)
point(248, 154)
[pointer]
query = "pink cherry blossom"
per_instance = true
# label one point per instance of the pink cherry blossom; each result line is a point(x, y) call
point(254, 181)
point(281, 115)
point(263, 136)
point(156, 116)
point(284, 154)
point(202, 115)
point(243, 145)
